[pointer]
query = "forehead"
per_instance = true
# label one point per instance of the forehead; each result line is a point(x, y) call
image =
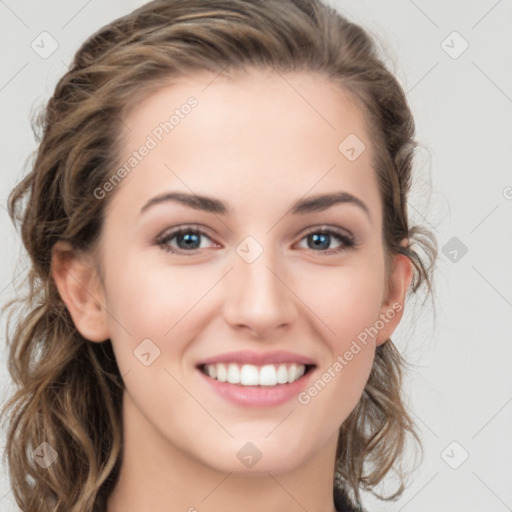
point(254, 95)
point(260, 134)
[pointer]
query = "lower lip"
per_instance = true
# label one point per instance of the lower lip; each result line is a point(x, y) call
point(258, 396)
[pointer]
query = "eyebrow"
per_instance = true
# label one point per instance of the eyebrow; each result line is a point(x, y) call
point(304, 206)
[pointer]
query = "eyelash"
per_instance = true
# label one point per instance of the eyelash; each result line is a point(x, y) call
point(348, 243)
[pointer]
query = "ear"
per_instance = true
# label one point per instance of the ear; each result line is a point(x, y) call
point(393, 305)
point(80, 287)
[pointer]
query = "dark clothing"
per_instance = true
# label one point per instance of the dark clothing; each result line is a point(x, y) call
point(343, 503)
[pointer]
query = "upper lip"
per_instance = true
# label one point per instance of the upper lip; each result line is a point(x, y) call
point(258, 358)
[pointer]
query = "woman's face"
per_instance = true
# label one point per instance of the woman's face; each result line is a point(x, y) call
point(251, 288)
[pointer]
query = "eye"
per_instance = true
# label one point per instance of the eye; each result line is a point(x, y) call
point(188, 239)
point(320, 238)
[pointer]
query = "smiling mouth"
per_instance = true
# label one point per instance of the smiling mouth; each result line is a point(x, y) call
point(253, 375)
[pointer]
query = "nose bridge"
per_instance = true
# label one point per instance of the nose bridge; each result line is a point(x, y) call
point(257, 296)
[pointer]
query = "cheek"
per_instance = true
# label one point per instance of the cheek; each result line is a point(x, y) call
point(148, 299)
point(347, 306)
point(345, 301)
point(146, 302)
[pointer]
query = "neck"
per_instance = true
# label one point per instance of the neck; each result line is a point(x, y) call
point(158, 476)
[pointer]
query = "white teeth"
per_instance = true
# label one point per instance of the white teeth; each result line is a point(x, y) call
point(233, 374)
point(268, 375)
point(293, 372)
point(282, 374)
point(222, 373)
point(249, 375)
point(252, 375)
point(212, 371)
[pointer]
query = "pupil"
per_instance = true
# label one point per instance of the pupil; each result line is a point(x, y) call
point(189, 238)
point(316, 239)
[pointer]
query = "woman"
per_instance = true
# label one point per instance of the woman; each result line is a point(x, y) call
point(217, 222)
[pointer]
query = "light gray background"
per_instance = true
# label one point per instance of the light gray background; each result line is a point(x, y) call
point(461, 387)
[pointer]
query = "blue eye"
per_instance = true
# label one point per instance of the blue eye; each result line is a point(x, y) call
point(320, 238)
point(188, 240)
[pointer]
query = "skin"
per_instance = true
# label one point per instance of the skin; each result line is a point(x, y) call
point(257, 142)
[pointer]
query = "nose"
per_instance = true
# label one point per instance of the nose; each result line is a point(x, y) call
point(258, 297)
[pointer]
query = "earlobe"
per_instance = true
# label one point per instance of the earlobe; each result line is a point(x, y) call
point(79, 286)
point(393, 307)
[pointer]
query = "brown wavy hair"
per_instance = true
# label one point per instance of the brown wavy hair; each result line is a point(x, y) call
point(69, 390)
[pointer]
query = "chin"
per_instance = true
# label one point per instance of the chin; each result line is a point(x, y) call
point(258, 457)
